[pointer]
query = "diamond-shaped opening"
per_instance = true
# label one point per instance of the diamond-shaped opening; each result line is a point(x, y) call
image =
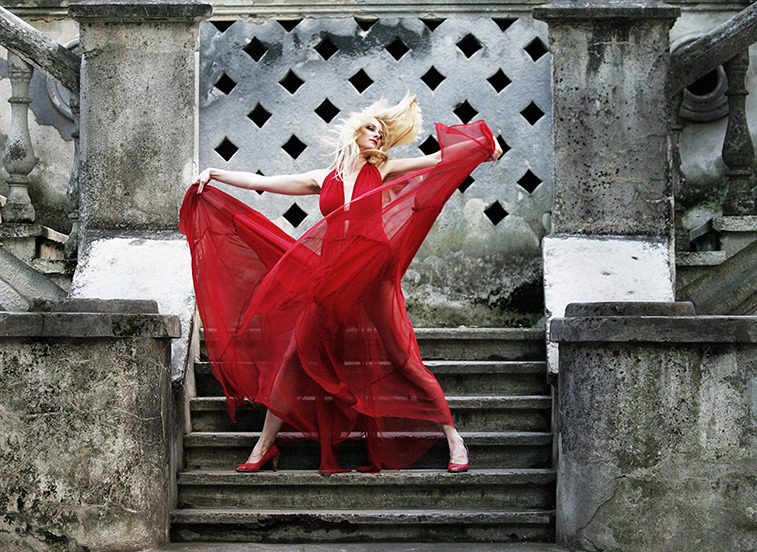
point(465, 112)
point(499, 81)
point(255, 49)
point(432, 24)
point(361, 81)
point(429, 146)
point(289, 24)
point(260, 192)
point(295, 215)
point(502, 144)
point(226, 149)
point(433, 78)
point(495, 212)
point(466, 184)
point(503, 22)
point(469, 45)
point(397, 49)
point(222, 25)
point(294, 147)
point(327, 111)
point(364, 23)
point(259, 115)
point(536, 49)
point(225, 83)
point(532, 113)
point(529, 181)
point(291, 82)
point(326, 48)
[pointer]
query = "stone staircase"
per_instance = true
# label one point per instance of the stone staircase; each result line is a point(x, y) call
point(495, 381)
point(722, 281)
point(32, 264)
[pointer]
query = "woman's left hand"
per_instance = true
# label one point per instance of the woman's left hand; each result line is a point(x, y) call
point(496, 154)
point(202, 179)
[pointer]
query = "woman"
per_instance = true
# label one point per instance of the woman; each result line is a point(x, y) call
point(316, 329)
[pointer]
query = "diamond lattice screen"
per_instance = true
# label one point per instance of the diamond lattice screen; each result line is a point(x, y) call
point(269, 91)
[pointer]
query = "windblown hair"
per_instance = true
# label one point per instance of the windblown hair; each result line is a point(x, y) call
point(400, 123)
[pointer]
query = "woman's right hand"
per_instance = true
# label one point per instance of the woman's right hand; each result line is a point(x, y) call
point(202, 179)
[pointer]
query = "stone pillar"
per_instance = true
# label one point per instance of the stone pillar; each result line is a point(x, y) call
point(86, 409)
point(612, 221)
point(657, 429)
point(138, 151)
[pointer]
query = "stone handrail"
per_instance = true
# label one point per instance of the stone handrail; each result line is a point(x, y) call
point(39, 50)
point(693, 61)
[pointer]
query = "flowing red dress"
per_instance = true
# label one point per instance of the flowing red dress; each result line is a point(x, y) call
point(316, 329)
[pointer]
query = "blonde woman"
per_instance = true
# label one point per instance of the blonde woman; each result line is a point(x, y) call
point(316, 329)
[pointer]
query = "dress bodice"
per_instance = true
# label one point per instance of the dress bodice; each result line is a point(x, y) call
point(332, 190)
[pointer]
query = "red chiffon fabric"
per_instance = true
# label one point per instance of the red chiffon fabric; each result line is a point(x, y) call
point(316, 329)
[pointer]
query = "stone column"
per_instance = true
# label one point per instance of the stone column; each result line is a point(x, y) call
point(657, 429)
point(137, 149)
point(612, 221)
point(138, 110)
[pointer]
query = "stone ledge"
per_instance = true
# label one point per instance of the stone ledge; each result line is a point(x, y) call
point(488, 334)
point(608, 9)
point(139, 11)
point(655, 329)
point(735, 224)
point(86, 324)
point(700, 258)
point(53, 266)
point(630, 308)
point(82, 305)
point(10, 230)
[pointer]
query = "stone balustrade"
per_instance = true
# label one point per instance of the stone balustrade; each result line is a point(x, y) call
point(29, 49)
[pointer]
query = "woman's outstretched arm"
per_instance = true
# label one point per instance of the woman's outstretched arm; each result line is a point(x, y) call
point(395, 168)
point(287, 184)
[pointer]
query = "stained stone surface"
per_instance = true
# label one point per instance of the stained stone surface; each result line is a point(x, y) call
point(83, 424)
point(657, 432)
point(611, 141)
point(137, 111)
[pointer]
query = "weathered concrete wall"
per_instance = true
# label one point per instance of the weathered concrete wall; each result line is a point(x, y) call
point(612, 217)
point(138, 100)
point(138, 124)
point(85, 409)
point(154, 266)
point(657, 429)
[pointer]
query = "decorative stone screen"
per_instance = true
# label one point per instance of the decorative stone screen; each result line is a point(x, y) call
point(270, 90)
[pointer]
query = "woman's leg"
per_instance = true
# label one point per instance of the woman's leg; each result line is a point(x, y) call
point(458, 454)
point(383, 314)
point(271, 427)
point(273, 423)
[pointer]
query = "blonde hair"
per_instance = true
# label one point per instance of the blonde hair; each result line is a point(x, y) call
point(401, 124)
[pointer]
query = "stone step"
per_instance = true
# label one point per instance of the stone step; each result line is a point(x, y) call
point(463, 526)
point(475, 343)
point(205, 451)
point(457, 377)
point(471, 413)
point(487, 489)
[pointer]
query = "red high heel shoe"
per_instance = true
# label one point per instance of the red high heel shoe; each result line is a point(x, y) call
point(272, 454)
point(458, 468)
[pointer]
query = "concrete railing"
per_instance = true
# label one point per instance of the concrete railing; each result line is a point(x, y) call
point(726, 45)
point(28, 48)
